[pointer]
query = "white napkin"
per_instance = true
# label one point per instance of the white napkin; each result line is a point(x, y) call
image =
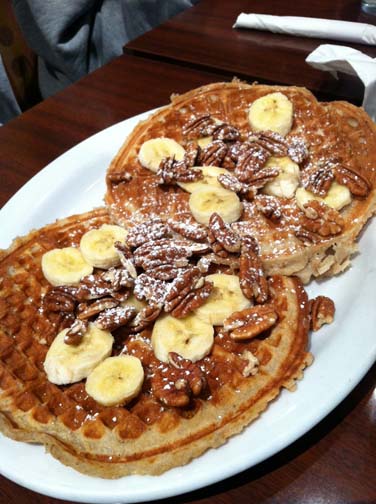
point(333, 58)
point(310, 27)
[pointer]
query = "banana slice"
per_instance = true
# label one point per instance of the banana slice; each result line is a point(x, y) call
point(204, 141)
point(225, 298)
point(97, 245)
point(338, 196)
point(133, 301)
point(71, 363)
point(286, 183)
point(190, 337)
point(65, 266)
point(116, 380)
point(209, 199)
point(210, 177)
point(153, 151)
point(273, 112)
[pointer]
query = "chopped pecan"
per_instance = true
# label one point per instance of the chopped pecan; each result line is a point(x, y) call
point(153, 229)
point(193, 300)
point(359, 186)
point(273, 142)
point(318, 181)
point(144, 318)
point(231, 183)
point(251, 158)
point(230, 261)
point(251, 274)
point(112, 318)
point(191, 231)
point(322, 311)
point(213, 154)
point(88, 310)
point(58, 300)
point(321, 219)
point(75, 334)
point(192, 151)
point(251, 322)
point(221, 236)
point(252, 363)
point(200, 126)
point(270, 207)
point(118, 177)
point(175, 384)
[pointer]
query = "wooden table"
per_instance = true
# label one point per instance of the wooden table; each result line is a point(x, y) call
point(203, 37)
point(335, 462)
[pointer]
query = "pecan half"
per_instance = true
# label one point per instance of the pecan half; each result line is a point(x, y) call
point(321, 219)
point(57, 300)
point(263, 176)
point(318, 181)
point(221, 236)
point(307, 237)
point(213, 154)
point(171, 171)
point(359, 186)
point(270, 207)
point(322, 311)
point(150, 289)
point(153, 229)
point(226, 133)
point(181, 287)
point(144, 318)
point(196, 298)
point(191, 231)
point(174, 385)
point(297, 149)
point(126, 258)
point(251, 158)
point(251, 274)
point(88, 310)
point(231, 183)
point(251, 322)
point(75, 334)
point(273, 142)
point(196, 127)
point(112, 318)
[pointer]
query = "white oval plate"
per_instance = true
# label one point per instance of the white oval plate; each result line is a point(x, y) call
point(344, 351)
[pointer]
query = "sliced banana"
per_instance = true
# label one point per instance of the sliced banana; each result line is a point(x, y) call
point(133, 301)
point(209, 199)
point(225, 298)
point(273, 112)
point(204, 141)
point(116, 380)
point(286, 182)
point(338, 196)
point(153, 151)
point(71, 363)
point(97, 245)
point(210, 178)
point(190, 337)
point(65, 266)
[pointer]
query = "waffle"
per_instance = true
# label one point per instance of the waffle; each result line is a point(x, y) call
point(336, 134)
point(143, 436)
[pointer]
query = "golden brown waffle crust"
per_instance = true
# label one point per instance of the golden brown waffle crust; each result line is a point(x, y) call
point(31, 408)
point(344, 131)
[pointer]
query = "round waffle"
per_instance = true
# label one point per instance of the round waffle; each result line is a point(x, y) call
point(144, 436)
point(339, 138)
